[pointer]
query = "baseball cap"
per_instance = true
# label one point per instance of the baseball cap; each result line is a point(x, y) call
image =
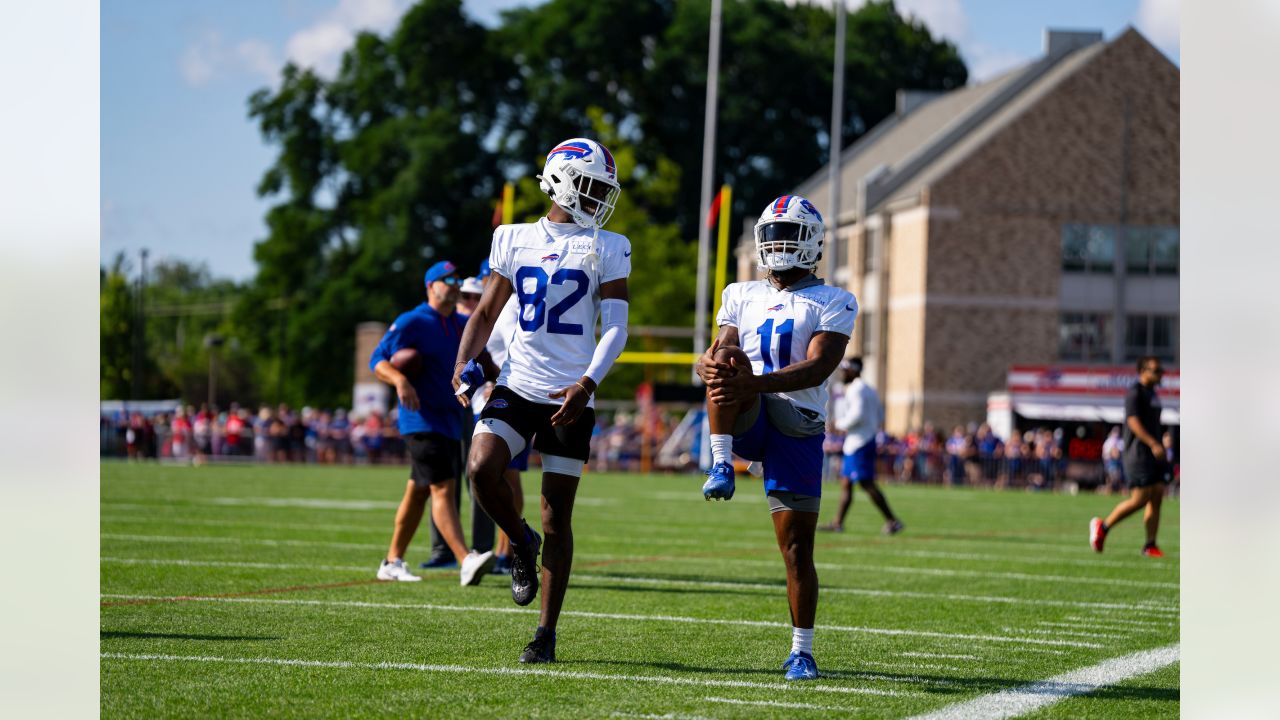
point(473, 285)
point(484, 269)
point(441, 269)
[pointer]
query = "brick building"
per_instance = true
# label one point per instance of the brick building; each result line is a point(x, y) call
point(1028, 220)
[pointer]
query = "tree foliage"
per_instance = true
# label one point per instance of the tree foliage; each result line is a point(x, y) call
point(397, 161)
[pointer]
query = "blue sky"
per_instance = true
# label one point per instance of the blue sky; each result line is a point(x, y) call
point(180, 158)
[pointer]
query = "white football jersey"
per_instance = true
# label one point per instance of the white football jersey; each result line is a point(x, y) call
point(775, 326)
point(503, 328)
point(556, 270)
point(858, 415)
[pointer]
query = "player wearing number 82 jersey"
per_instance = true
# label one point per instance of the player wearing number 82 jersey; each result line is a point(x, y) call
point(565, 272)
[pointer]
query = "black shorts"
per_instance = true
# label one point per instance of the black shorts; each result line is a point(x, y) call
point(533, 421)
point(1143, 469)
point(434, 457)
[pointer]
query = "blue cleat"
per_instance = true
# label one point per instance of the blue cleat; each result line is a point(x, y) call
point(801, 666)
point(719, 483)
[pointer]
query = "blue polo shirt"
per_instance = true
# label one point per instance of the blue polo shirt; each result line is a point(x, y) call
point(436, 338)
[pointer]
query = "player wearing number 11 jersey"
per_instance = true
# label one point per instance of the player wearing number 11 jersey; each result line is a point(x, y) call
point(565, 272)
point(780, 340)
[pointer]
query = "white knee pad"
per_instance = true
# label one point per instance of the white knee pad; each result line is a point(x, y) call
point(561, 465)
point(493, 426)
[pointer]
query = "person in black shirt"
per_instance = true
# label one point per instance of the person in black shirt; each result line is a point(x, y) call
point(1145, 467)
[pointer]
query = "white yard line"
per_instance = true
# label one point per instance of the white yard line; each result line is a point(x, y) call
point(1082, 604)
point(522, 671)
point(1123, 621)
point(916, 666)
point(1018, 557)
point(617, 616)
point(1071, 633)
point(940, 655)
point(1103, 625)
point(234, 564)
point(240, 541)
point(896, 569)
point(163, 520)
point(1028, 698)
point(642, 560)
point(775, 703)
point(309, 503)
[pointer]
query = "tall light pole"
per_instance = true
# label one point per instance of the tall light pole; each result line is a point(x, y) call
point(837, 123)
point(708, 172)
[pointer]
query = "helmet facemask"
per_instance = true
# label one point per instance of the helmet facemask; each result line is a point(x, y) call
point(783, 244)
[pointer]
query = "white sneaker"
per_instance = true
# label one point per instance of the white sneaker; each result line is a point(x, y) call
point(475, 566)
point(396, 571)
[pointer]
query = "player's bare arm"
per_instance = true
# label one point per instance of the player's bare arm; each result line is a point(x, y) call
point(480, 326)
point(387, 373)
point(821, 359)
point(576, 396)
point(707, 366)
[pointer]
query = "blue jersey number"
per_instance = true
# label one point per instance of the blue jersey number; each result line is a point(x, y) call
point(784, 344)
point(537, 299)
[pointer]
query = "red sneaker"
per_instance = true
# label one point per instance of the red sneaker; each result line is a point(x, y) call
point(1097, 535)
point(1152, 551)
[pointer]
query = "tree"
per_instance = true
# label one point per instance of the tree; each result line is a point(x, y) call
point(117, 321)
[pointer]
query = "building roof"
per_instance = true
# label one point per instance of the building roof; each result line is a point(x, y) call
point(904, 153)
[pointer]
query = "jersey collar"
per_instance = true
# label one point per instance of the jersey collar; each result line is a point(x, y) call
point(802, 284)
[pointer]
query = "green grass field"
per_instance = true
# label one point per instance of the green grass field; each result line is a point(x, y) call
point(248, 591)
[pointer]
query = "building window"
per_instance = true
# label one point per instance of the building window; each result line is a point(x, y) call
point(870, 333)
point(1151, 251)
point(1151, 335)
point(1088, 248)
point(1084, 337)
point(870, 245)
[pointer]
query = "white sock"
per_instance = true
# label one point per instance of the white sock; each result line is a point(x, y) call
point(802, 640)
point(721, 449)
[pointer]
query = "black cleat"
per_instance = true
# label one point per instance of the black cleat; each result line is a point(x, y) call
point(524, 568)
point(542, 649)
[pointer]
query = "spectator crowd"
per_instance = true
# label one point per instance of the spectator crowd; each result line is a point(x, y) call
point(1037, 458)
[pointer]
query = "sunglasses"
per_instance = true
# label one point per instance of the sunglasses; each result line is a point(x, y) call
point(451, 280)
point(469, 296)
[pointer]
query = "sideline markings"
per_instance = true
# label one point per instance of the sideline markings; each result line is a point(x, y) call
point(461, 669)
point(940, 655)
point(1022, 700)
point(1123, 621)
point(610, 616)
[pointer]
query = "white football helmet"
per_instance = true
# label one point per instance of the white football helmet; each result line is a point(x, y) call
point(580, 177)
point(789, 234)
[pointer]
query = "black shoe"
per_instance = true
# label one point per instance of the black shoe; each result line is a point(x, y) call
point(542, 649)
point(524, 568)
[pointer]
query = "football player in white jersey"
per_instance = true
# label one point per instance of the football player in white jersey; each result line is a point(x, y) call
point(780, 339)
point(565, 271)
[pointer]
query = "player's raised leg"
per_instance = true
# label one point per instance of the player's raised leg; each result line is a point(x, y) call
point(491, 452)
point(721, 417)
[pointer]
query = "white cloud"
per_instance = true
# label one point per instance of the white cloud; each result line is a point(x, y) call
point(258, 58)
point(320, 45)
point(200, 60)
point(209, 57)
point(944, 17)
point(1160, 22)
point(986, 62)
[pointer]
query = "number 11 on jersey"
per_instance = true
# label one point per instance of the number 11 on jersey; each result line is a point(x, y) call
point(784, 344)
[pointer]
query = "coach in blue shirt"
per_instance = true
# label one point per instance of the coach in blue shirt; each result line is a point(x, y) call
point(430, 422)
